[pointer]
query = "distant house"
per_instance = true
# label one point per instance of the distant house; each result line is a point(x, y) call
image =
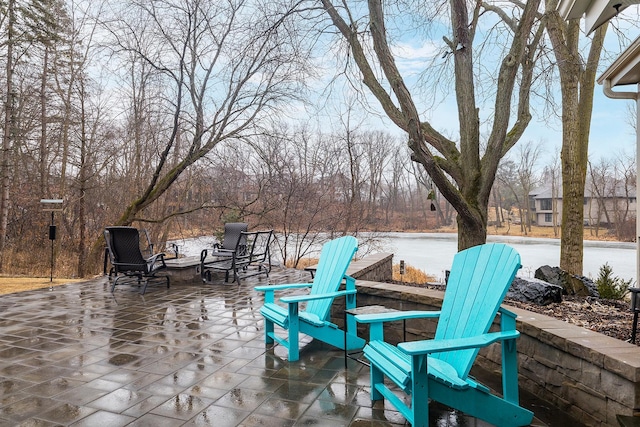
point(604, 207)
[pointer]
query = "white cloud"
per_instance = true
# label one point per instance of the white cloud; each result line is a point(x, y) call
point(413, 59)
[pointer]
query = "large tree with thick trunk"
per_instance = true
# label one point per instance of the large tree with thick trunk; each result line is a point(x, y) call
point(577, 81)
point(463, 168)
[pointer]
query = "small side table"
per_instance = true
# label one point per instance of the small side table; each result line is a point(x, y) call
point(369, 309)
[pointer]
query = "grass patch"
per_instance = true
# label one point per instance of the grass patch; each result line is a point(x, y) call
point(412, 275)
point(9, 285)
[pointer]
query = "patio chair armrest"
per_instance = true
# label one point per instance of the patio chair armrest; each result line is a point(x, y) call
point(437, 346)
point(216, 253)
point(173, 247)
point(303, 298)
point(153, 258)
point(267, 288)
point(393, 316)
point(222, 252)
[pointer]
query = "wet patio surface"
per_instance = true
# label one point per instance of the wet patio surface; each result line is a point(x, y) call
point(192, 355)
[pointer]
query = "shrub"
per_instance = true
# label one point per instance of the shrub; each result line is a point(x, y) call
point(610, 286)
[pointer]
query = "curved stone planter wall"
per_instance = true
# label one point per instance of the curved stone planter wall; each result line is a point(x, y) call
point(588, 375)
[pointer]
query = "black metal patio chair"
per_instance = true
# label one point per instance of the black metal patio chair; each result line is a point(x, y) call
point(127, 261)
point(232, 237)
point(233, 242)
point(251, 257)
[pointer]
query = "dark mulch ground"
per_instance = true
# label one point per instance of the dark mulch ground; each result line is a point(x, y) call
point(608, 317)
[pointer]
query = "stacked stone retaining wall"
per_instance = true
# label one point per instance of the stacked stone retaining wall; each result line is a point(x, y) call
point(375, 268)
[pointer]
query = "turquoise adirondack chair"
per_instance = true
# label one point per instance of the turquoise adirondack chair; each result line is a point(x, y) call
point(439, 368)
point(314, 321)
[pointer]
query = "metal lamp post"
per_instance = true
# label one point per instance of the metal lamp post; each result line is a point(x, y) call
point(635, 308)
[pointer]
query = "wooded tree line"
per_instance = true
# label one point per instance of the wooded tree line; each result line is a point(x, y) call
point(161, 114)
point(121, 101)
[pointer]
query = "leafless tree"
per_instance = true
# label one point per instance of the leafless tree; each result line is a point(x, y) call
point(461, 172)
point(393, 199)
point(222, 67)
point(625, 191)
point(551, 175)
point(599, 183)
point(30, 31)
point(378, 147)
point(525, 160)
point(286, 179)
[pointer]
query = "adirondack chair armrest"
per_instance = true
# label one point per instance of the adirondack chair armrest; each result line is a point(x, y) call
point(303, 298)
point(437, 346)
point(507, 312)
point(393, 316)
point(377, 321)
point(350, 282)
point(267, 288)
point(270, 290)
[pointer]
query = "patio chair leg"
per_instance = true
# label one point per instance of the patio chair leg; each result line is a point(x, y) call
point(268, 332)
point(206, 277)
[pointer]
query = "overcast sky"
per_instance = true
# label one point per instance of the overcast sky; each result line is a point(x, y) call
point(612, 132)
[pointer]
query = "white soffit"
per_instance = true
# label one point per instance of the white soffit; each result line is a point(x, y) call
point(572, 9)
point(596, 12)
point(626, 69)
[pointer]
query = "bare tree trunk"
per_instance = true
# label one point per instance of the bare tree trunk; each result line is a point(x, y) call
point(577, 83)
point(44, 149)
point(523, 225)
point(469, 234)
point(498, 206)
point(554, 207)
point(8, 133)
point(82, 179)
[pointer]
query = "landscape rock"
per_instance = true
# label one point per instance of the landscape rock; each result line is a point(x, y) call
point(534, 291)
point(571, 284)
point(548, 274)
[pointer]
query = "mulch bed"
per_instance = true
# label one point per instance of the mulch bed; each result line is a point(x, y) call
point(608, 317)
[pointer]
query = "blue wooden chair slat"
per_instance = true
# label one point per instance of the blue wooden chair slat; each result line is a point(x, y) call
point(438, 369)
point(314, 321)
point(474, 306)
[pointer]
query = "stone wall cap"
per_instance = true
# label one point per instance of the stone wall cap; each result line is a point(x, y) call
point(616, 355)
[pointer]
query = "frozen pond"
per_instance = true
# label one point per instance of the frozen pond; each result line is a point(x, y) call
point(433, 252)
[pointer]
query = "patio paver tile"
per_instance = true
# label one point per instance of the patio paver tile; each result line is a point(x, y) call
point(191, 355)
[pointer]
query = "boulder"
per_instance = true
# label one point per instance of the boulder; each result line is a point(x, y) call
point(534, 291)
point(548, 274)
point(571, 284)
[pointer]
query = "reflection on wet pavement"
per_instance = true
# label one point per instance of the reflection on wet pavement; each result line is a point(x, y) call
point(191, 355)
